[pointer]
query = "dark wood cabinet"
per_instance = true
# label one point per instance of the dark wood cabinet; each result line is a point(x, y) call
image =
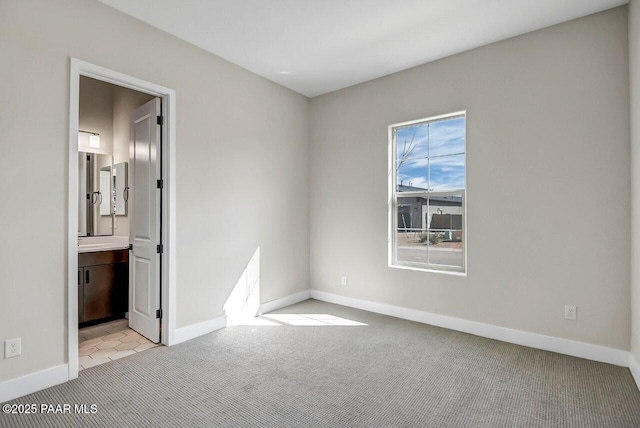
point(103, 285)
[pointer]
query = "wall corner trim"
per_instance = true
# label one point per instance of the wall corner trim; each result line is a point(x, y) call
point(573, 348)
point(32, 382)
point(195, 330)
point(283, 302)
point(635, 369)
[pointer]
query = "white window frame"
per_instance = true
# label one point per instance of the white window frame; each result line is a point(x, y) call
point(394, 195)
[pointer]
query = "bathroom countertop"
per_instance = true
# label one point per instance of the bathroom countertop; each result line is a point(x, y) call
point(92, 245)
point(91, 248)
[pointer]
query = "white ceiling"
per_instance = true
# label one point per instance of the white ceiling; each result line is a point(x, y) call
point(318, 46)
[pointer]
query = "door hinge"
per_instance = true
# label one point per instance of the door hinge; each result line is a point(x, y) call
point(158, 313)
point(160, 184)
point(159, 120)
point(131, 246)
point(159, 248)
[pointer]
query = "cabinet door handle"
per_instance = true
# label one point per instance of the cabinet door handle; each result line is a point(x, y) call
point(86, 278)
point(79, 278)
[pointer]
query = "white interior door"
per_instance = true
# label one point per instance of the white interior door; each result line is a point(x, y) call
point(144, 229)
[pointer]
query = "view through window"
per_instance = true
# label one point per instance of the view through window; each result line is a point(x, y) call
point(428, 182)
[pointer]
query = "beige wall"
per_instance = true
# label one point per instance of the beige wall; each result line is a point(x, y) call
point(634, 80)
point(237, 134)
point(547, 148)
point(548, 126)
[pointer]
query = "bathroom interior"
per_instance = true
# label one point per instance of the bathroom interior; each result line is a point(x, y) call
point(105, 190)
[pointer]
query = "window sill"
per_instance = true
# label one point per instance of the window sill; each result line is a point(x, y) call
point(429, 270)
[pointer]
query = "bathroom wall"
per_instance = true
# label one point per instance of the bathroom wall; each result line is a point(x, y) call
point(96, 115)
point(106, 109)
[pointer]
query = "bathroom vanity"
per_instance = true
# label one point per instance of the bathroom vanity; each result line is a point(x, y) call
point(103, 284)
point(103, 258)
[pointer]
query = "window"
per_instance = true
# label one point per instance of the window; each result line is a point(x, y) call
point(427, 189)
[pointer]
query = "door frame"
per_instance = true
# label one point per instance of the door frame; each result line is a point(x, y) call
point(168, 273)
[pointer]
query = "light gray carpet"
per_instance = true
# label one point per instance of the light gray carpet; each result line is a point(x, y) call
point(389, 373)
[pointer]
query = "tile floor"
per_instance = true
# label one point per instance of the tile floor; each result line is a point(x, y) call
point(106, 342)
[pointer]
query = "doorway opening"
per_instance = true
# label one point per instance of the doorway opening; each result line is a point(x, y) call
point(121, 257)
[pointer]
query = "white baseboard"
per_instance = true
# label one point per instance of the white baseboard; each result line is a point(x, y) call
point(588, 351)
point(283, 302)
point(635, 369)
point(192, 331)
point(195, 330)
point(18, 387)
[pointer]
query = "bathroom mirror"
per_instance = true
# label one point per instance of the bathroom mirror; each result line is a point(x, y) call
point(120, 188)
point(95, 208)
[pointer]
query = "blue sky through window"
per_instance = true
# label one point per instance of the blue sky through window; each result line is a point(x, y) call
point(431, 156)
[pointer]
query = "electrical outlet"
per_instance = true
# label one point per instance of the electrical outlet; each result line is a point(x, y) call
point(570, 312)
point(344, 280)
point(12, 348)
